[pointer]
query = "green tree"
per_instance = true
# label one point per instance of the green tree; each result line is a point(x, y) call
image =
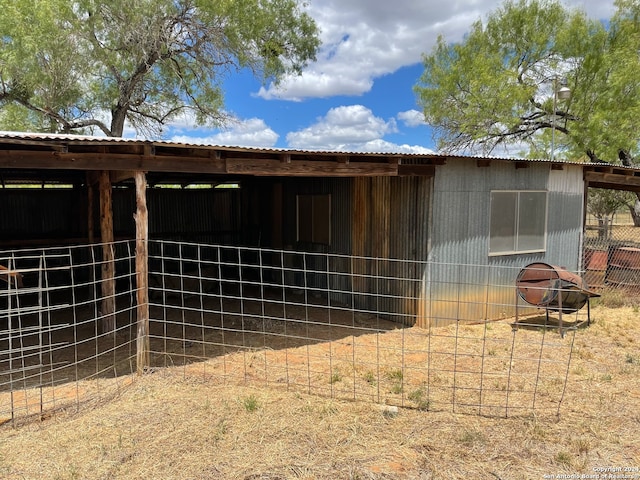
point(603, 205)
point(81, 65)
point(496, 87)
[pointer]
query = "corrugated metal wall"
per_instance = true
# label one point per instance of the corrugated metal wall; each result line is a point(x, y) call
point(391, 220)
point(198, 215)
point(457, 286)
point(373, 219)
point(28, 214)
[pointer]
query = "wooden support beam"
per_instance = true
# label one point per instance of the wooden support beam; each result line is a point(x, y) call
point(108, 263)
point(302, 168)
point(105, 161)
point(142, 274)
point(416, 170)
point(628, 182)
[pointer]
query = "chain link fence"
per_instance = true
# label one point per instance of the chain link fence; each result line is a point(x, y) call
point(611, 260)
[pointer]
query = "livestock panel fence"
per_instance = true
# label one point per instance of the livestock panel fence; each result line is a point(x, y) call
point(332, 325)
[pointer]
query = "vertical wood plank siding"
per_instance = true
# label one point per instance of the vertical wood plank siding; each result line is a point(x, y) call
point(391, 224)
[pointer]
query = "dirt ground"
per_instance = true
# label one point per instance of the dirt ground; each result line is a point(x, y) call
point(175, 424)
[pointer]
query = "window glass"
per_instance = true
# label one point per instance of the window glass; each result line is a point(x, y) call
point(518, 222)
point(532, 218)
point(503, 222)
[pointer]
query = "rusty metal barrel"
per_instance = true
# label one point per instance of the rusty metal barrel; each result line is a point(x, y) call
point(552, 287)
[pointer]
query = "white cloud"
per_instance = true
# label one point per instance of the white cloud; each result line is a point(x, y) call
point(253, 132)
point(412, 118)
point(365, 39)
point(349, 128)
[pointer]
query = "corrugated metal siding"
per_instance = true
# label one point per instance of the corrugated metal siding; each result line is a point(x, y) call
point(463, 282)
point(566, 211)
point(374, 221)
point(42, 213)
point(391, 220)
point(206, 215)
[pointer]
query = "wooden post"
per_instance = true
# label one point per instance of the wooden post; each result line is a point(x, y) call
point(142, 256)
point(108, 285)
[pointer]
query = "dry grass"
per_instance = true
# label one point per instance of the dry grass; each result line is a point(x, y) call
point(169, 425)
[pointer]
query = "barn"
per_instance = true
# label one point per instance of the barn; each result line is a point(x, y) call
point(453, 213)
point(409, 239)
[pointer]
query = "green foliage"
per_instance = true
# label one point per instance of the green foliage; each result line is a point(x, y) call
point(66, 66)
point(603, 203)
point(496, 86)
point(419, 398)
point(396, 377)
point(563, 458)
point(370, 378)
point(251, 403)
point(471, 438)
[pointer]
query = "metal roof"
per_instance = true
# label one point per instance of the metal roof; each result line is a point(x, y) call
point(71, 138)
point(62, 157)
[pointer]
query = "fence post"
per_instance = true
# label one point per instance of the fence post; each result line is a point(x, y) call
point(142, 269)
point(108, 262)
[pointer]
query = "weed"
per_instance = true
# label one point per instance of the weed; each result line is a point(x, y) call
point(336, 376)
point(396, 388)
point(612, 298)
point(579, 370)
point(563, 458)
point(471, 437)
point(328, 410)
point(395, 375)
point(250, 403)
point(582, 445)
point(418, 397)
point(538, 431)
point(370, 378)
point(584, 354)
point(606, 377)
point(630, 359)
point(221, 429)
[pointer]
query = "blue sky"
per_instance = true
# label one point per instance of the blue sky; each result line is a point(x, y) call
point(358, 95)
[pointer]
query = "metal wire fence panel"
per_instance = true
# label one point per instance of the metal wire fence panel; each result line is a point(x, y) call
point(50, 329)
point(341, 326)
point(347, 327)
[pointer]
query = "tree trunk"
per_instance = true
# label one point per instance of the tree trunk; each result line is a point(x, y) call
point(635, 211)
point(118, 116)
point(604, 227)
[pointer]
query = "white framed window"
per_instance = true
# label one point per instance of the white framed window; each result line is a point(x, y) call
point(518, 222)
point(314, 218)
